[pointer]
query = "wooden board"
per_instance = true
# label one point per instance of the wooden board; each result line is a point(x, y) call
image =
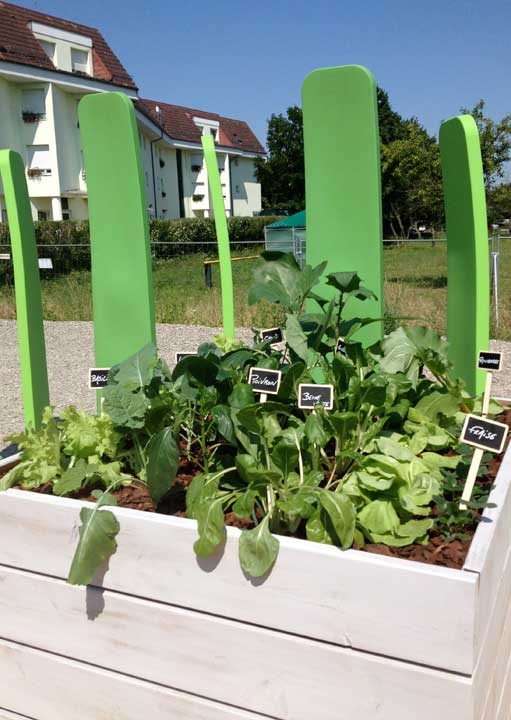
point(488, 554)
point(425, 614)
point(47, 687)
point(259, 670)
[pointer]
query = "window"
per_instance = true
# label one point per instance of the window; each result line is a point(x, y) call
point(42, 215)
point(33, 104)
point(79, 61)
point(38, 160)
point(49, 48)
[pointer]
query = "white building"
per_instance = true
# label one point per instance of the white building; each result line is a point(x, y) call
point(47, 65)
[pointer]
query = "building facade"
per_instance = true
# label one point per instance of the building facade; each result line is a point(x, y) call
point(47, 65)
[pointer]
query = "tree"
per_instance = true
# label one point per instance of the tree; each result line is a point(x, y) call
point(499, 204)
point(282, 175)
point(495, 138)
point(411, 182)
point(392, 125)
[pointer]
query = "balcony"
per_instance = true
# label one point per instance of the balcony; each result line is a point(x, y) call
point(32, 117)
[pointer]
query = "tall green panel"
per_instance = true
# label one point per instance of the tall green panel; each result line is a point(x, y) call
point(222, 234)
point(29, 312)
point(342, 181)
point(468, 290)
point(122, 287)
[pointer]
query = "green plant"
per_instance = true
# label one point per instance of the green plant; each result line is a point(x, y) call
point(372, 469)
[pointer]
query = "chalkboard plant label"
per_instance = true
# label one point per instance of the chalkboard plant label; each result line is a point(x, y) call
point(264, 380)
point(340, 346)
point(182, 355)
point(489, 361)
point(311, 395)
point(271, 335)
point(98, 378)
point(485, 434)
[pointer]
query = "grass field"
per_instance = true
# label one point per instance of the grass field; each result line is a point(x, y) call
point(415, 285)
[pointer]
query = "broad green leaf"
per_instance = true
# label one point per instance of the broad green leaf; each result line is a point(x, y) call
point(314, 430)
point(210, 523)
point(285, 456)
point(436, 404)
point(15, 475)
point(374, 481)
point(296, 338)
point(137, 371)
point(258, 549)
point(126, 408)
point(244, 505)
point(162, 464)
point(398, 352)
point(341, 512)
point(395, 449)
point(316, 530)
point(379, 516)
point(241, 396)
point(97, 539)
point(73, 478)
point(202, 489)
point(223, 421)
point(343, 281)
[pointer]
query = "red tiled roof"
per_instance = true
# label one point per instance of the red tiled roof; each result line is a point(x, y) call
point(178, 123)
point(18, 44)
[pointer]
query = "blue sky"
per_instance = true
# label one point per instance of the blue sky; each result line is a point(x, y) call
point(247, 60)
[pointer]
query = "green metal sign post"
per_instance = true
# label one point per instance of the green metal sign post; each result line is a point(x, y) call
point(29, 311)
point(342, 181)
point(122, 287)
point(468, 290)
point(222, 234)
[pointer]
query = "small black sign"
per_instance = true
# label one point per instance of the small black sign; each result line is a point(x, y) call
point(311, 395)
point(182, 355)
point(264, 380)
point(98, 378)
point(340, 346)
point(271, 335)
point(489, 360)
point(484, 434)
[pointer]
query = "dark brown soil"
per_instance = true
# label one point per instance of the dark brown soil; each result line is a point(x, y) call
point(437, 552)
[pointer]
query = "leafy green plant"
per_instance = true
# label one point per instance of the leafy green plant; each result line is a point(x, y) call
point(382, 466)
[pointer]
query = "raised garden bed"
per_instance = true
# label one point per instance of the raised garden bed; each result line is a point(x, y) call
point(172, 616)
point(327, 634)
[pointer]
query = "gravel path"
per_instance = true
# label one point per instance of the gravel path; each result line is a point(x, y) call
point(69, 350)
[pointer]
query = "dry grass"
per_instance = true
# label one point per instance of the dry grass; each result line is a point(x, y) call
point(415, 286)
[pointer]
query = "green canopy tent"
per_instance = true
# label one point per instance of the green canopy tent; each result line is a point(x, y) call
point(287, 235)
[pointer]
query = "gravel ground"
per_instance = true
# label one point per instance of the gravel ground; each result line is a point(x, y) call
point(69, 350)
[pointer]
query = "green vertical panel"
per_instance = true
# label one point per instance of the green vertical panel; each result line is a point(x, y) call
point(122, 287)
point(222, 234)
point(29, 312)
point(468, 290)
point(342, 180)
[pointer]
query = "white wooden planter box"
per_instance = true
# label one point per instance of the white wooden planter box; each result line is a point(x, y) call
point(328, 635)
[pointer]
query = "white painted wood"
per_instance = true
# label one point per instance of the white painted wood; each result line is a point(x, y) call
point(373, 603)
point(496, 649)
point(504, 708)
point(7, 715)
point(53, 688)
point(260, 670)
point(489, 551)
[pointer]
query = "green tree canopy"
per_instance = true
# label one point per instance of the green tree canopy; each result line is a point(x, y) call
point(495, 138)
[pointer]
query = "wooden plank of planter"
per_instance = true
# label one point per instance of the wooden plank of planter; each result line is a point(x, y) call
point(378, 604)
point(260, 670)
point(497, 675)
point(488, 553)
point(496, 647)
point(47, 687)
